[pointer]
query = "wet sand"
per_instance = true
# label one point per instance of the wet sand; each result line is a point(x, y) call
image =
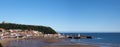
point(6, 41)
point(72, 46)
point(46, 42)
point(64, 44)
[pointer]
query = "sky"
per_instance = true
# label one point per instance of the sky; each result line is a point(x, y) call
point(64, 15)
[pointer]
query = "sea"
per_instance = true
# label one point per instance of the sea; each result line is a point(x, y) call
point(99, 39)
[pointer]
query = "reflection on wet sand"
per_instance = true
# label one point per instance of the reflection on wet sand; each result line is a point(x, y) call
point(44, 43)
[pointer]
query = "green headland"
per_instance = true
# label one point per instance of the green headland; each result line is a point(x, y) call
point(43, 29)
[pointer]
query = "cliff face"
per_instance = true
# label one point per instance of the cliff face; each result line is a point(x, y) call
point(43, 29)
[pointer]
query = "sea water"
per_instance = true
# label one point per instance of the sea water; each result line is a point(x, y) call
point(99, 39)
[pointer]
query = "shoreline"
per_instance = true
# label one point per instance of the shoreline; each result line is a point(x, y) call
point(46, 42)
point(71, 46)
point(41, 42)
point(61, 43)
point(6, 41)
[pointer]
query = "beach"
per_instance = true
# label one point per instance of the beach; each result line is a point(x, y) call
point(44, 42)
point(72, 46)
point(6, 41)
point(63, 43)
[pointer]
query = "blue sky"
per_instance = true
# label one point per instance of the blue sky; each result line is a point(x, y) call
point(64, 15)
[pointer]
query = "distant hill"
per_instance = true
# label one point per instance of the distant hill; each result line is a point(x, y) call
point(43, 29)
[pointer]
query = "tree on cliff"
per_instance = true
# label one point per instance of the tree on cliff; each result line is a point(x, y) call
point(43, 29)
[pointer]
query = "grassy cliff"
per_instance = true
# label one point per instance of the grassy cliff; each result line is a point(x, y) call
point(43, 29)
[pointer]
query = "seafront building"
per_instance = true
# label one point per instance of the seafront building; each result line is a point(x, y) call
point(19, 33)
point(16, 33)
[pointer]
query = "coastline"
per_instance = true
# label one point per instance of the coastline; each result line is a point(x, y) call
point(71, 46)
point(60, 43)
point(6, 41)
point(41, 42)
point(46, 42)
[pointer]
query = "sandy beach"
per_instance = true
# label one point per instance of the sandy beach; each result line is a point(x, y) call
point(45, 42)
point(50, 41)
point(6, 41)
point(71, 46)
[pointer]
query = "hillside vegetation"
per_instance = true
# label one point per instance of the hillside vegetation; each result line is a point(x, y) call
point(43, 29)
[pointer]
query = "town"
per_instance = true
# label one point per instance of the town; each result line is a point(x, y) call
point(18, 33)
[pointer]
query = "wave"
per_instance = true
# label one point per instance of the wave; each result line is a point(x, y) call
point(99, 38)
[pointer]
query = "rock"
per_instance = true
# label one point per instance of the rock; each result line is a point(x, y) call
point(90, 37)
point(80, 37)
point(70, 37)
point(77, 37)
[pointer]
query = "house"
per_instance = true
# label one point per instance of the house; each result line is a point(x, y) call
point(2, 30)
